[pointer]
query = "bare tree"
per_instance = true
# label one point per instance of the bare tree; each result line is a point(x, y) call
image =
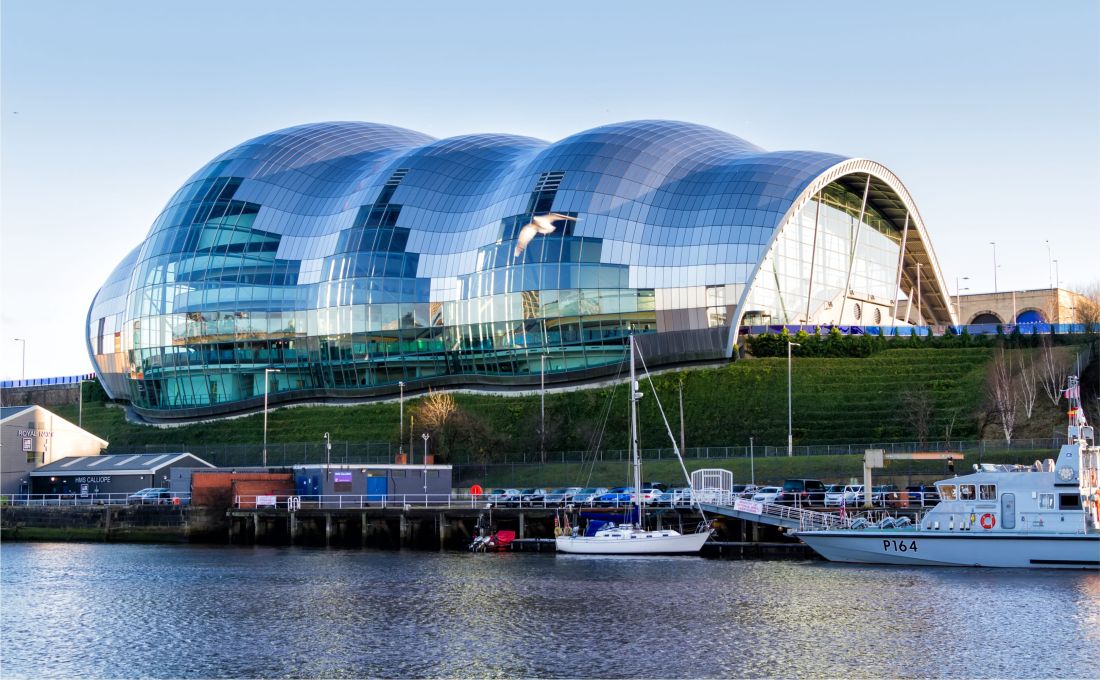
point(433, 413)
point(949, 426)
point(1028, 381)
point(1053, 370)
point(918, 411)
point(1002, 393)
point(1087, 307)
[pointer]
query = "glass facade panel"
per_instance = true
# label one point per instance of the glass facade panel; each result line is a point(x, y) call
point(353, 255)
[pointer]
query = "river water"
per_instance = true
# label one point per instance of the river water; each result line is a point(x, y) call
point(100, 610)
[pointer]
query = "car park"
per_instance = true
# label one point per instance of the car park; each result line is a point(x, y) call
point(767, 494)
point(588, 495)
point(802, 492)
point(150, 496)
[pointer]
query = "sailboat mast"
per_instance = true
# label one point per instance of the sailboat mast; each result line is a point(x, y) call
point(634, 396)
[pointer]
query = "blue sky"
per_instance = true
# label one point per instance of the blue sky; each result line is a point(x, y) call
point(988, 111)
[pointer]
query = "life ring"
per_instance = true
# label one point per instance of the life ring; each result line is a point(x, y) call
point(988, 521)
point(176, 500)
point(557, 531)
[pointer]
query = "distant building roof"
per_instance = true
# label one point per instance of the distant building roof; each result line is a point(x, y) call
point(9, 411)
point(118, 464)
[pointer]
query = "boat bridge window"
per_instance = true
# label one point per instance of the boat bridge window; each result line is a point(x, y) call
point(947, 492)
point(1046, 501)
point(1069, 501)
point(966, 492)
point(987, 492)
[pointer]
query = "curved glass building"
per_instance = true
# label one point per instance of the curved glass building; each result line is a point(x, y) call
point(335, 260)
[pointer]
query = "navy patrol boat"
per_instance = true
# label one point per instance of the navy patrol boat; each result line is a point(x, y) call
point(1043, 515)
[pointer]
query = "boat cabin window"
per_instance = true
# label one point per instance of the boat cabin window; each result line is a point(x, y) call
point(1046, 501)
point(947, 492)
point(987, 492)
point(1069, 501)
point(966, 492)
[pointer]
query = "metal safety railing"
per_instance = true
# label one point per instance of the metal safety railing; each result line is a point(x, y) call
point(69, 499)
point(353, 501)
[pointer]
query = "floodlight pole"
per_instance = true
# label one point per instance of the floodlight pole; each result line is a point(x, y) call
point(790, 429)
point(958, 296)
point(401, 418)
point(267, 381)
point(425, 437)
point(994, 244)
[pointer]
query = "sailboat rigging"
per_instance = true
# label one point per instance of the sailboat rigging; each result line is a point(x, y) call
point(632, 538)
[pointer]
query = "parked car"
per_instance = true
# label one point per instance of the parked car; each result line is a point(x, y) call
point(503, 496)
point(923, 495)
point(853, 494)
point(588, 495)
point(562, 495)
point(883, 493)
point(619, 496)
point(674, 497)
point(152, 495)
point(834, 494)
point(767, 494)
point(532, 496)
point(802, 492)
point(649, 494)
point(743, 490)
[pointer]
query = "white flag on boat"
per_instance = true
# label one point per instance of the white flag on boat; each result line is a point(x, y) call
point(1072, 393)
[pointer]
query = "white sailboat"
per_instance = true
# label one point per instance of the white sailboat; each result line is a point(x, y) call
point(632, 539)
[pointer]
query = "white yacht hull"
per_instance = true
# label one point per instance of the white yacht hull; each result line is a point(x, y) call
point(1002, 549)
point(636, 543)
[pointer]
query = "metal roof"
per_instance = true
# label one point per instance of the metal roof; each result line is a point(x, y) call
point(9, 411)
point(117, 464)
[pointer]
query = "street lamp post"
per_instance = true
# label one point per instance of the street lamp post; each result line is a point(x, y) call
point(328, 454)
point(1057, 276)
point(1050, 267)
point(425, 437)
point(401, 418)
point(958, 296)
point(920, 312)
point(752, 465)
point(24, 373)
point(790, 429)
point(542, 407)
point(994, 244)
point(267, 381)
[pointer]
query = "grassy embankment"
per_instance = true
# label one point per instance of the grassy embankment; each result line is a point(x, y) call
point(835, 401)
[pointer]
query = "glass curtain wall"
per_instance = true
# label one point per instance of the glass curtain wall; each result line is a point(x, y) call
point(826, 246)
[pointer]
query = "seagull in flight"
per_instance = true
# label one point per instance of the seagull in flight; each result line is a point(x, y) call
point(539, 224)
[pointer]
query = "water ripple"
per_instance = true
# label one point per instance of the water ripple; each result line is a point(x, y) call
point(108, 611)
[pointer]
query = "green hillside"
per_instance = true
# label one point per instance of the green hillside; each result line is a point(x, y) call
point(836, 400)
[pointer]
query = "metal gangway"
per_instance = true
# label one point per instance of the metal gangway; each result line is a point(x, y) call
point(787, 516)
